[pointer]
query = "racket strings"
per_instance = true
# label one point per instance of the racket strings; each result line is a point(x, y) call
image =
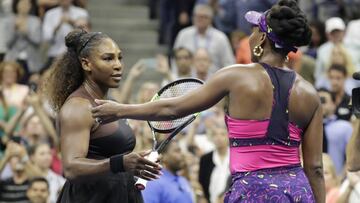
point(175, 90)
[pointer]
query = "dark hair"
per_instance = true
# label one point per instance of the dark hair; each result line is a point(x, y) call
point(33, 9)
point(180, 49)
point(320, 27)
point(338, 67)
point(38, 179)
point(332, 95)
point(290, 24)
point(66, 73)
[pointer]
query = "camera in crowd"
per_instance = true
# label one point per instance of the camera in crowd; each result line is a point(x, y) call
point(356, 97)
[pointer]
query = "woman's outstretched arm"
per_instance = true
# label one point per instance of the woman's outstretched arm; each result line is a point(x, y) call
point(167, 109)
point(353, 149)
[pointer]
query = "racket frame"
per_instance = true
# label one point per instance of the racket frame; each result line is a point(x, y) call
point(141, 183)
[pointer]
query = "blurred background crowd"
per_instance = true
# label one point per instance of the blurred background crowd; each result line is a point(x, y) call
point(164, 40)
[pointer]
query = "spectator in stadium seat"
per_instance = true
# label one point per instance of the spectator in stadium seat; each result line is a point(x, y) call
point(203, 35)
point(58, 22)
point(170, 187)
point(337, 75)
point(41, 156)
point(38, 191)
point(23, 36)
point(338, 132)
point(202, 64)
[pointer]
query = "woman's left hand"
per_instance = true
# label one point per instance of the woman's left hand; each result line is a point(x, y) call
point(106, 111)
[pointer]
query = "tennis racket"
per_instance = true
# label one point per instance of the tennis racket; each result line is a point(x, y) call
point(172, 127)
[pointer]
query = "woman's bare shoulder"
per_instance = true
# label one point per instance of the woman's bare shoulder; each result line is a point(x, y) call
point(304, 87)
point(241, 70)
point(243, 67)
point(76, 108)
point(305, 92)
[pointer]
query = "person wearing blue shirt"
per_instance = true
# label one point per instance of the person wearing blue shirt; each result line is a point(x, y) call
point(337, 132)
point(170, 187)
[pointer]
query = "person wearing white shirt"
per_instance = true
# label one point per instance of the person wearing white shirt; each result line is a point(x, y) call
point(58, 22)
point(214, 166)
point(203, 35)
point(352, 41)
point(41, 156)
point(350, 188)
point(334, 52)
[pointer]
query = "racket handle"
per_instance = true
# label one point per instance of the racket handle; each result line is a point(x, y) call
point(141, 183)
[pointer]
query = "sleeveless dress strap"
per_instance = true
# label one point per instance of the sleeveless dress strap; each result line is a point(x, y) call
point(282, 81)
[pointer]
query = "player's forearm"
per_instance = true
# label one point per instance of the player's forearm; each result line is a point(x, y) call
point(316, 179)
point(353, 150)
point(80, 169)
point(160, 110)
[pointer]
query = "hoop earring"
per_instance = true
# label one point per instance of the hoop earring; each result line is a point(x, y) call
point(258, 51)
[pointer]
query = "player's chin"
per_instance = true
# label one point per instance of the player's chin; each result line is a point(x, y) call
point(114, 83)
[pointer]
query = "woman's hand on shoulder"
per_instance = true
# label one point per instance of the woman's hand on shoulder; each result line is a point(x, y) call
point(107, 111)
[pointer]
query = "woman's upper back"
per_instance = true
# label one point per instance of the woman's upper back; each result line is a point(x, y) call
point(267, 117)
point(251, 96)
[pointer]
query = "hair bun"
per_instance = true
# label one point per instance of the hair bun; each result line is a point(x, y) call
point(289, 3)
point(72, 40)
point(289, 23)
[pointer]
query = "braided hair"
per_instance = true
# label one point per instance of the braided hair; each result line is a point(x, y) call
point(290, 24)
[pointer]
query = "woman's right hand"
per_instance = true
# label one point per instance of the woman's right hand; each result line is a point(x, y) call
point(140, 166)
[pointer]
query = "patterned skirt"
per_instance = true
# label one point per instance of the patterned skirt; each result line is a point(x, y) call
point(282, 184)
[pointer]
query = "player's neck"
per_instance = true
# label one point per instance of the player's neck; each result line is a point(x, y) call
point(94, 90)
point(272, 60)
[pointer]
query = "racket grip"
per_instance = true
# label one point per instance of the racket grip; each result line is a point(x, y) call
point(141, 183)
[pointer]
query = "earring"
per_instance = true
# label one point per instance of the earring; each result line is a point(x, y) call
point(286, 59)
point(258, 51)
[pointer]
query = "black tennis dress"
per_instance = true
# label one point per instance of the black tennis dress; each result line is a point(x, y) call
point(105, 141)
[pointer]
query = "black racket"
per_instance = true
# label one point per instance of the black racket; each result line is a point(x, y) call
point(172, 127)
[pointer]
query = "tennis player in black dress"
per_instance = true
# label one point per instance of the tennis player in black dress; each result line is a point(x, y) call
point(98, 160)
